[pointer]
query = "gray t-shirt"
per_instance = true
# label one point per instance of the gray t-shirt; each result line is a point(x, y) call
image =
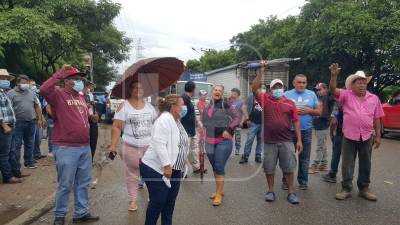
point(24, 104)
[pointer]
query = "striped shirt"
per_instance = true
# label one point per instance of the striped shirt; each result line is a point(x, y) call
point(183, 148)
point(7, 115)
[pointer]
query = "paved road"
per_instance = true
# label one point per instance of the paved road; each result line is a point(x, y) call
point(244, 201)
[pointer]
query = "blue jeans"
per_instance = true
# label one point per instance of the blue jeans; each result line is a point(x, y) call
point(254, 131)
point(14, 163)
point(25, 133)
point(218, 155)
point(37, 142)
point(336, 152)
point(74, 170)
point(5, 146)
point(50, 125)
point(304, 157)
point(238, 139)
point(162, 198)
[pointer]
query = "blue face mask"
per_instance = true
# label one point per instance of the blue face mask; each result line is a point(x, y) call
point(78, 86)
point(277, 93)
point(24, 87)
point(184, 111)
point(4, 84)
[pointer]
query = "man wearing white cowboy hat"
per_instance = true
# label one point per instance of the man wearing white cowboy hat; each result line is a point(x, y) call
point(362, 114)
point(7, 121)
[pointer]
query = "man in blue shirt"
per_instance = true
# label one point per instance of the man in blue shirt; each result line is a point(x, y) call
point(307, 106)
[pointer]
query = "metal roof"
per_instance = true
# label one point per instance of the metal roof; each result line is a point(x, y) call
point(247, 64)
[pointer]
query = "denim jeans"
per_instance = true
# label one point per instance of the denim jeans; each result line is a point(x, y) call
point(162, 198)
point(336, 152)
point(37, 142)
point(304, 157)
point(218, 155)
point(254, 131)
point(14, 163)
point(350, 151)
point(5, 146)
point(25, 133)
point(74, 169)
point(50, 125)
point(238, 139)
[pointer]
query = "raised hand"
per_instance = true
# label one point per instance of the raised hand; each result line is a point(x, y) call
point(335, 69)
point(66, 67)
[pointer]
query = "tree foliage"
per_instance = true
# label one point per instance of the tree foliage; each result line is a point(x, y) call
point(358, 34)
point(38, 36)
point(211, 60)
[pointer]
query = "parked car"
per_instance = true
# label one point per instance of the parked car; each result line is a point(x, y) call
point(391, 121)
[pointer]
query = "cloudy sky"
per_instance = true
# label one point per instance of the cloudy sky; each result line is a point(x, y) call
point(174, 27)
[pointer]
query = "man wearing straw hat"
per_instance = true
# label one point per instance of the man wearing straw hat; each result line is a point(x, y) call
point(7, 121)
point(362, 115)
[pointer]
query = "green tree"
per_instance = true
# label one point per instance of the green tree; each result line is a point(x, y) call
point(39, 36)
point(211, 60)
point(358, 34)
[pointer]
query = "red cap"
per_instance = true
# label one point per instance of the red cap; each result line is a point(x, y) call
point(74, 71)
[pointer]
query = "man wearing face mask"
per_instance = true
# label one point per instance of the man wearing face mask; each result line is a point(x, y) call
point(189, 123)
point(28, 115)
point(7, 122)
point(70, 139)
point(280, 115)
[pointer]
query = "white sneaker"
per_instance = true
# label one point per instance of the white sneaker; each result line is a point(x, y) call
point(50, 155)
point(94, 183)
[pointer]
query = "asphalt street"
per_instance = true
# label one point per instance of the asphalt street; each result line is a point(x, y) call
point(244, 197)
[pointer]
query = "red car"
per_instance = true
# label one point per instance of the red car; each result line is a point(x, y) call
point(391, 121)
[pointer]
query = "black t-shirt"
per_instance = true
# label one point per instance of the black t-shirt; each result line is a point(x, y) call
point(256, 113)
point(322, 122)
point(189, 121)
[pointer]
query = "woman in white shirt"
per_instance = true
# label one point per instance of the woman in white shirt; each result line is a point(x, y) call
point(135, 118)
point(164, 161)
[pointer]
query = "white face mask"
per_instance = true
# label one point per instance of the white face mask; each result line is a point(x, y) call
point(263, 90)
point(24, 87)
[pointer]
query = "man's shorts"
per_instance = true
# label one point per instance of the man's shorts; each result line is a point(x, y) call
point(286, 154)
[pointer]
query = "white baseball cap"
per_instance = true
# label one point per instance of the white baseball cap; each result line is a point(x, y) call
point(275, 81)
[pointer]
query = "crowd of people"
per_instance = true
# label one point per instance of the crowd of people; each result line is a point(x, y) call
point(158, 143)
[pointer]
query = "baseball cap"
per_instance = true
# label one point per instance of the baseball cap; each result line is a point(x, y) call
point(275, 81)
point(74, 71)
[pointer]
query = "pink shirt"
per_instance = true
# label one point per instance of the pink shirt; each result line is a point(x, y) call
point(359, 114)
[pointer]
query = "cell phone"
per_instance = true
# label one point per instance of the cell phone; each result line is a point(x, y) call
point(112, 155)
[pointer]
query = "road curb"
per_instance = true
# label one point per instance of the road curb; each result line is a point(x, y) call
point(35, 212)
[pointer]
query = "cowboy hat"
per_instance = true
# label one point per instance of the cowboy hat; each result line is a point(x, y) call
point(4, 73)
point(359, 74)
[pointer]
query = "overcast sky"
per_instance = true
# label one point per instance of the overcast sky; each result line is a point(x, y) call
point(174, 27)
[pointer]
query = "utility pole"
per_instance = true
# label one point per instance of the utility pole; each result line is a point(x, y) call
point(89, 64)
point(91, 67)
